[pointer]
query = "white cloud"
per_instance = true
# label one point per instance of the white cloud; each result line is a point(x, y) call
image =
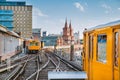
point(38, 12)
point(79, 6)
point(107, 8)
point(118, 8)
point(106, 11)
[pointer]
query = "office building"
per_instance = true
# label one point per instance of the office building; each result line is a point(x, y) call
point(44, 33)
point(16, 16)
point(76, 37)
point(50, 40)
point(36, 33)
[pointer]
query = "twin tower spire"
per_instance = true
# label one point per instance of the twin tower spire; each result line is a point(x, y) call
point(67, 31)
point(66, 25)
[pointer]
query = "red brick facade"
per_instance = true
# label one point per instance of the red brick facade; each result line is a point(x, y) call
point(67, 37)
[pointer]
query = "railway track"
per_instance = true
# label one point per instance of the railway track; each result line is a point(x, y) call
point(19, 69)
point(15, 69)
point(55, 64)
point(14, 61)
point(41, 67)
point(36, 67)
point(29, 67)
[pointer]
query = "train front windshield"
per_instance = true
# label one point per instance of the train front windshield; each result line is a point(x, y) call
point(34, 43)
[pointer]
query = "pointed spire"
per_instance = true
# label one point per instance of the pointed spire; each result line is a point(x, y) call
point(70, 26)
point(66, 23)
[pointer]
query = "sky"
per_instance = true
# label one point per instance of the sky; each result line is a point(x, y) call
point(50, 15)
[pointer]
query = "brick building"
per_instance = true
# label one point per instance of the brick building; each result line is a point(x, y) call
point(67, 38)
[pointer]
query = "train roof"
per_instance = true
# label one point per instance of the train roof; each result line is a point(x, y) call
point(104, 25)
point(30, 40)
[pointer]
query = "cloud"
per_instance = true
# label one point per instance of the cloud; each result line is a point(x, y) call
point(79, 6)
point(38, 12)
point(118, 8)
point(106, 7)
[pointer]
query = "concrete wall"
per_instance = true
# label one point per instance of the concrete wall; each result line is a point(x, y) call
point(8, 45)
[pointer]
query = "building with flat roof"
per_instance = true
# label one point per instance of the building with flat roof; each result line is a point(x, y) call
point(2, 0)
point(50, 40)
point(44, 33)
point(36, 33)
point(16, 16)
point(77, 38)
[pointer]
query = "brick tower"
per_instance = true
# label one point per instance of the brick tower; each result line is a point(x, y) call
point(71, 32)
point(67, 34)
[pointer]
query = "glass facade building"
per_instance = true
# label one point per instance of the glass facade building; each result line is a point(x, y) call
point(49, 40)
point(16, 16)
point(9, 3)
point(2, 0)
point(6, 18)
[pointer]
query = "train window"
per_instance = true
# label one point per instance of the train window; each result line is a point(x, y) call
point(34, 43)
point(31, 43)
point(37, 44)
point(116, 50)
point(101, 45)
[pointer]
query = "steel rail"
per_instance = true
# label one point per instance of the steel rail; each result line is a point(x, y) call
point(12, 61)
point(56, 65)
point(38, 60)
point(21, 71)
point(67, 64)
point(44, 66)
point(15, 74)
point(4, 69)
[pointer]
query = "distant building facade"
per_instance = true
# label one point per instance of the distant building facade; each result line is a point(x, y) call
point(16, 16)
point(50, 40)
point(77, 38)
point(36, 33)
point(6, 18)
point(67, 38)
point(44, 33)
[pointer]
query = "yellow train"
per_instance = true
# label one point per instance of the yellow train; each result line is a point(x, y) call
point(34, 46)
point(101, 52)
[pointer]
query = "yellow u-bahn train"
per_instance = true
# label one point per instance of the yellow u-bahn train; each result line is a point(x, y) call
point(34, 46)
point(101, 52)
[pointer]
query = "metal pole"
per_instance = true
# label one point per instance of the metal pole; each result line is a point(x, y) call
point(71, 52)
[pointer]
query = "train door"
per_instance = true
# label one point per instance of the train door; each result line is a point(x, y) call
point(101, 68)
point(83, 53)
point(90, 56)
point(116, 57)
